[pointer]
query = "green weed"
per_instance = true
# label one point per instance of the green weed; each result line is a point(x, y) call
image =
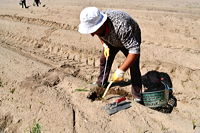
point(36, 128)
point(12, 90)
point(194, 124)
point(83, 90)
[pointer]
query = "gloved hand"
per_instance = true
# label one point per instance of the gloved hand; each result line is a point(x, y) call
point(118, 76)
point(106, 50)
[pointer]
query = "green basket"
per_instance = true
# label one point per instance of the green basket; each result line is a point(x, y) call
point(155, 98)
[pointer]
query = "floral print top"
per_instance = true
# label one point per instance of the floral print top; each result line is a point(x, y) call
point(124, 31)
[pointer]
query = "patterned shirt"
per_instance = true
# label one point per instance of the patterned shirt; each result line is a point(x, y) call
point(124, 31)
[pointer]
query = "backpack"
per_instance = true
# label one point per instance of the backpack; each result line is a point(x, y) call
point(155, 81)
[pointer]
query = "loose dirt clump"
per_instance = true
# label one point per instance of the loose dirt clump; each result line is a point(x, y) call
point(96, 93)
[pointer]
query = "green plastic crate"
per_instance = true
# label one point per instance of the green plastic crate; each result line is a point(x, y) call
point(155, 98)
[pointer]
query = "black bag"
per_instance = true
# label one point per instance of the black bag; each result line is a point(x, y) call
point(154, 81)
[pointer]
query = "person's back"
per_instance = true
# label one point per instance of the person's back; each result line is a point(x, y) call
point(121, 23)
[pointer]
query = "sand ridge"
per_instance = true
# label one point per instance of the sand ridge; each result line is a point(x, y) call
point(43, 60)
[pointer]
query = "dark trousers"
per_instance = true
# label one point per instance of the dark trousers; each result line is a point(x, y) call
point(134, 69)
point(24, 4)
point(37, 2)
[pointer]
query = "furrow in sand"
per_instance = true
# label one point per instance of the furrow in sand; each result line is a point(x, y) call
point(38, 21)
point(89, 66)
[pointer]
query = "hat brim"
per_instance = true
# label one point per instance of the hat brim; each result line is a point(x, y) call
point(88, 30)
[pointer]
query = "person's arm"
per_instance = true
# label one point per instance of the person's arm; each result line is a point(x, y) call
point(119, 73)
point(128, 40)
point(128, 61)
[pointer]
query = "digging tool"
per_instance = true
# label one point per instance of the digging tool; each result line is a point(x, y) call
point(104, 72)
point(107, 88)
point(118, 105)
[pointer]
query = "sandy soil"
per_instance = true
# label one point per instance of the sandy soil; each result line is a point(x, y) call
point(43, 60)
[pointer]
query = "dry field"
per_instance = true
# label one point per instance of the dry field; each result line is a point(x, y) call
point(43, 60)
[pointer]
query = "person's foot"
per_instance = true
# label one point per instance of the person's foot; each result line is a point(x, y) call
point(138, 100)
point(95, 84)
point(136, 94)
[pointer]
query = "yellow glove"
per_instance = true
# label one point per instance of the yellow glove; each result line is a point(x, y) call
point(118, 76)
point(106, 50)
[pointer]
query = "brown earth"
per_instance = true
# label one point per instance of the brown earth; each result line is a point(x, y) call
point(44, 60)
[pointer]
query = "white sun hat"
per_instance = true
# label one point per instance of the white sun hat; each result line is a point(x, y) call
point(91, 20)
